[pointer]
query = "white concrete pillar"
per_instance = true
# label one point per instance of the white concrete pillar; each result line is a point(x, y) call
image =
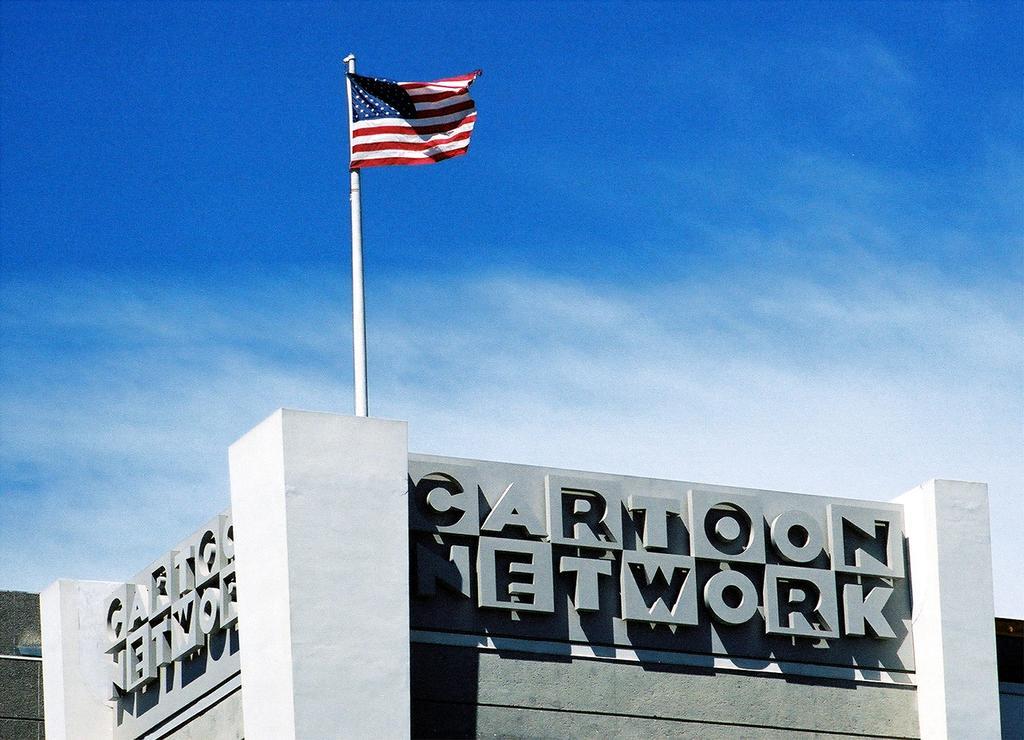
point(76, 678)
point(947, 525)
point(321, 541)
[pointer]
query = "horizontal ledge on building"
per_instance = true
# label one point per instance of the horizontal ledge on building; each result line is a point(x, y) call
point(664, 657)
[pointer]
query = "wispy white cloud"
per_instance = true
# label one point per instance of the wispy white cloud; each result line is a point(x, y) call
point(860, 388)
point(868, 86)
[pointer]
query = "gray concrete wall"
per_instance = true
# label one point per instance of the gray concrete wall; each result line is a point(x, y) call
point(533, 723)
point(222, 721)
point(21, 699)
point(21, 679)
point(463, 692)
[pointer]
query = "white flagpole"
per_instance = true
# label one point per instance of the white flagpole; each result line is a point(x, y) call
point(358, 308)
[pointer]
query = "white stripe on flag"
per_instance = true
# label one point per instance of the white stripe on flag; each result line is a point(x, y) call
point(417, 154)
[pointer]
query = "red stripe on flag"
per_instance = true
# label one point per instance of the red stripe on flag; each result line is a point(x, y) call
point(437, 96)
point(402, 160)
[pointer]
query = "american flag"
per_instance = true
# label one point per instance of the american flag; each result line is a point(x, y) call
point(410, 122)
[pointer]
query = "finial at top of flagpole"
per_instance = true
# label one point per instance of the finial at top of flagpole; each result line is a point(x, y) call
point(349, 58)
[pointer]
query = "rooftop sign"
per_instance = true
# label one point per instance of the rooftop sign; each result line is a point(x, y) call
point(172, 634)
point(675, 567)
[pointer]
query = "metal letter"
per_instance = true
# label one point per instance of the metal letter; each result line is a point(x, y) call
point(859, 611)
point(714, 597)
point(853, 529)
point(584, 513)
point(209, 610)
point(446, 500)
point(161, 634)
point(159, 587)
point(513, 509)
point(810, 542)
point(116, 607)
point(118, 673)
point(209, 558)
point(184, 627)
point(527, 583)
point(183, 573)
point(800, 602)
point(587, 570)
point(228, 596)
point(656, 513)
point(139, 612)
point(658, 588)
point(726, 526)
point(227, 539)
point(452, 572)
point(142, 666)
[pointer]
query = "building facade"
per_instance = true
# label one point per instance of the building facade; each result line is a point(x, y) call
point(356, 590)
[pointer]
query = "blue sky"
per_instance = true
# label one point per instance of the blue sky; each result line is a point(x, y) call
point(772, 245)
